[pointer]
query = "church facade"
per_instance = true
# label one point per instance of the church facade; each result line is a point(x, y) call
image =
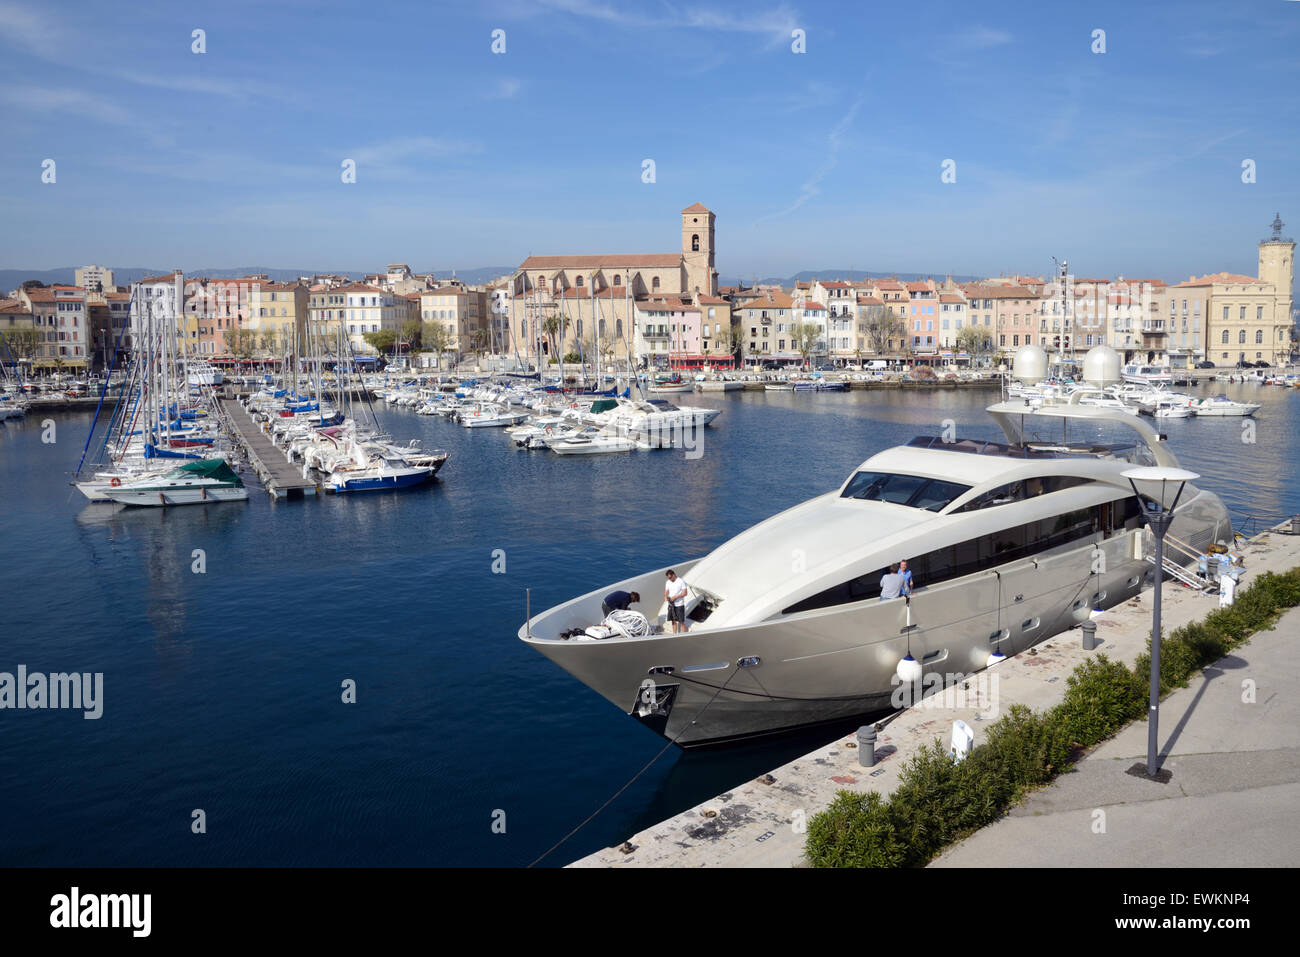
point(579, 303)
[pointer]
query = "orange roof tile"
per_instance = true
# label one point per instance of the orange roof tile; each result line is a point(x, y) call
point(1220, 277)
point(637, 261)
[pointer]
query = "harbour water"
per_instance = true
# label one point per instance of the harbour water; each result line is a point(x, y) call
point(222, 689)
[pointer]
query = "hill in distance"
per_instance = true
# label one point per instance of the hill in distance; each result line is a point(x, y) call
point(11, 279)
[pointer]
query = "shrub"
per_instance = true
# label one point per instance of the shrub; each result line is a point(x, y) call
point(855, 831)
point(1100, 698)
point(938, 801)
point(1026, 748)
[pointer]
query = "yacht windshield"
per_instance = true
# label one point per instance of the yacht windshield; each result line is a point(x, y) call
point(933, 495)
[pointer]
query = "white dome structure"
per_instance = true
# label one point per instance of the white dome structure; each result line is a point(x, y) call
point(1101, 366)
point(1029, 364)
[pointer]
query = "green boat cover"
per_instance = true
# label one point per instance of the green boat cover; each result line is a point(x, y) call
point(209, 468)
point(603, 405)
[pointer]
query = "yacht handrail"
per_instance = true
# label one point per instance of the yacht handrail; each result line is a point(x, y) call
point(1182, 546)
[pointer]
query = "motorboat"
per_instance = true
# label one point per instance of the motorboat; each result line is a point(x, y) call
point(203, 374)
point(485, 416)
point(591, 441)
point(1010, 542)
point(655, 422)
point(1151, 375)
point(380, 472)
point(1223, 406)
point(11, 408)
point(1170, 408)
point(670, 385)
point(195, 483)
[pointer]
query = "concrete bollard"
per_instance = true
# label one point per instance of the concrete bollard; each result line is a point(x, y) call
point(1089, 629)
point(867, 745)
point(1295, 524)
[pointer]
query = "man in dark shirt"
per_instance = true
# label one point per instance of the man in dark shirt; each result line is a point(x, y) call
point(618, 601)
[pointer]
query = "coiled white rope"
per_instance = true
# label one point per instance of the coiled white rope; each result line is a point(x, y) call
point(629, 624)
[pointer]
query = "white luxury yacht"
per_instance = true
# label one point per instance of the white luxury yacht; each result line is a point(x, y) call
point(1003, 539)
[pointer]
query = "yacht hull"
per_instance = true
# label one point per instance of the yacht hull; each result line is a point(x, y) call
point(840, 662)
point(158, 497)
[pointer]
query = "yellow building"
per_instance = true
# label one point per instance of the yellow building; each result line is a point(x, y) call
point(17, 331)
point(1248, 318)
point(277, 316)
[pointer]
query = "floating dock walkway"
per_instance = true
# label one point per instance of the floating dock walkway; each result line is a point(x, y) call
point(279, 477)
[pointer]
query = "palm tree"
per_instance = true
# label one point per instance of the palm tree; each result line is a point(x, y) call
point(551, 328)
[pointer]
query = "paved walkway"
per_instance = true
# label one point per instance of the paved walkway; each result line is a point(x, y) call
point(1231, 741)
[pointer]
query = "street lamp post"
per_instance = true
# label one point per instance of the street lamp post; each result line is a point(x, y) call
point(1159, 519)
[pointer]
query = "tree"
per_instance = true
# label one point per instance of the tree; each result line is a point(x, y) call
point(240, 342)
point(807, 335)
point(410, 335)
point(724, 341)
point(882, 327)
point(23, 343)
point(974, 340)
point(437, 339)
point(551, 329)
point(381, 341)
point(478, 343)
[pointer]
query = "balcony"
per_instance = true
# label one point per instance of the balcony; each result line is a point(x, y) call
point(1154, 329)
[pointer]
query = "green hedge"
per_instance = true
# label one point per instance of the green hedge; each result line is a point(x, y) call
point(939, 801)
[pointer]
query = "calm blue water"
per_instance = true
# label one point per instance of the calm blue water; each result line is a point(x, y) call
point(222, 690)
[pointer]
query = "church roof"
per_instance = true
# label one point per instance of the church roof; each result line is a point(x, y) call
point(607, 260)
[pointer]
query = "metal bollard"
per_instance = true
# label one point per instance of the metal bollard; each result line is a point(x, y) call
point(867, 745)
point(1089, 629)
point(1295, 524)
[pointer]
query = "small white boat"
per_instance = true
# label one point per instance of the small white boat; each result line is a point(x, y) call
point(1171, 409)
point(487, 416)
point(591, 442)
point(1142, 374)
point(670, 385)
point(202, 373)
point(194, 483)
point(1223, 406)
point(779, 387)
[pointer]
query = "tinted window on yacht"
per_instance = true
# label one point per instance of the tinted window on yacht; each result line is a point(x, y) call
point(914, 490)
point(987, 551)
point(1018, 491)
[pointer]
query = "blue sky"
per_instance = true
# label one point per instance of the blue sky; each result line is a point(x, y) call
point(1127, 161)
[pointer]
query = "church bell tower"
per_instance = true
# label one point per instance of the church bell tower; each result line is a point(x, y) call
point(697, 250)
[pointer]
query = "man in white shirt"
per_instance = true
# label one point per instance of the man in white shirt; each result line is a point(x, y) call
point(675, 595)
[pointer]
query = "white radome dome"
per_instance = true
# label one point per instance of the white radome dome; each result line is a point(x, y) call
point(1101, 366)
point(1029, 364)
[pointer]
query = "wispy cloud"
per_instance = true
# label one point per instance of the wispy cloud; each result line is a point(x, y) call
point(86, 107)
point(812, 186)
point(29, 30)
point(396, 158)
point(505, 88)
point(775, 23)
point(59, 41)
point(982, 38)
